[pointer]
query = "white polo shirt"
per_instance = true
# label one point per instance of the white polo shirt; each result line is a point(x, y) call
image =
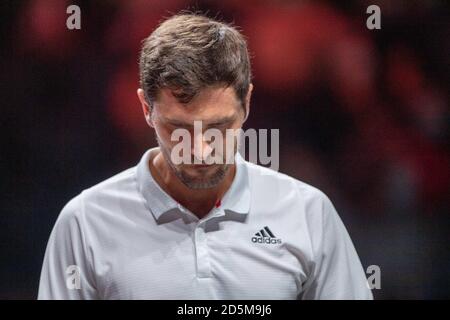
point(271, 237)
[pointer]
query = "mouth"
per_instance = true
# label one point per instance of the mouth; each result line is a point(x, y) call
point(201, 166)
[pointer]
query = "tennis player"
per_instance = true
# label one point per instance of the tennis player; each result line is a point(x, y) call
point(166, 229)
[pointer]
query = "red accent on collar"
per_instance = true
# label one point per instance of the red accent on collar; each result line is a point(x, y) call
point(218, 203)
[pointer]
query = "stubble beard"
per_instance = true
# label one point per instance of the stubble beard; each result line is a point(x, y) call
point(210, 181)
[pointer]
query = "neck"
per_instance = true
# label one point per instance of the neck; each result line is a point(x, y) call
point(198, 201)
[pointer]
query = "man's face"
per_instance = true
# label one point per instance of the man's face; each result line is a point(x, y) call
point(214, 108)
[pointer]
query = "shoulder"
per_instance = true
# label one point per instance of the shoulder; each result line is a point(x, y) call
point(300, 200)
point(99, 196)
point(116, 185)
point(281, 183)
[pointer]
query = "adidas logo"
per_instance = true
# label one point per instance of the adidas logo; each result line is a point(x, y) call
point(265, 236)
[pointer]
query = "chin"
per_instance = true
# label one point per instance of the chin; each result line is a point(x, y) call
point(203, 178)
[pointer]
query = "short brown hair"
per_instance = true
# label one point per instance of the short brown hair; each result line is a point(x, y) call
point(188, 52)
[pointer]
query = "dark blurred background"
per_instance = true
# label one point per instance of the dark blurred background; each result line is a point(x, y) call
point(363, 115)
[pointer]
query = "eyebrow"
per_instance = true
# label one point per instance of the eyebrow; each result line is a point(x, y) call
point(216, 122)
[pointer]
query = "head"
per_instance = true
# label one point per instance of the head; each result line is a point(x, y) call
point(193, 68)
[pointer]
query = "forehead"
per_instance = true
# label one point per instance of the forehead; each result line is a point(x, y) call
point(210, 102)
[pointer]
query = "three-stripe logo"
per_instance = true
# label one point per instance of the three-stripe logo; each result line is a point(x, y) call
point(265, 236)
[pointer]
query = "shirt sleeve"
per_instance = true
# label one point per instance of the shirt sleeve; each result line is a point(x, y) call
point(66, 273)
point(336, 272)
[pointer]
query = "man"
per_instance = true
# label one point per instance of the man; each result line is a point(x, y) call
point(195, 229)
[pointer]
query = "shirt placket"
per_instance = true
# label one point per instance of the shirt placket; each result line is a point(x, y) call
point(202, 252)
point(202, 257)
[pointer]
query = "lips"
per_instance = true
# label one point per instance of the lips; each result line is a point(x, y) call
point(201, 165)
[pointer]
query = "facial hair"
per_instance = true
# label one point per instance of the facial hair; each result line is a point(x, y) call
point(212, 180)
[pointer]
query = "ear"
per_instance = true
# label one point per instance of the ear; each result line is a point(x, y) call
point(247, 101)
point(145, 107)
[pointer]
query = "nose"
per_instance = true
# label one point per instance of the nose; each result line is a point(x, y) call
point(201, 149)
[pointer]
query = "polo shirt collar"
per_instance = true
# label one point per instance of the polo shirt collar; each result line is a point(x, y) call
point(236, 199)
